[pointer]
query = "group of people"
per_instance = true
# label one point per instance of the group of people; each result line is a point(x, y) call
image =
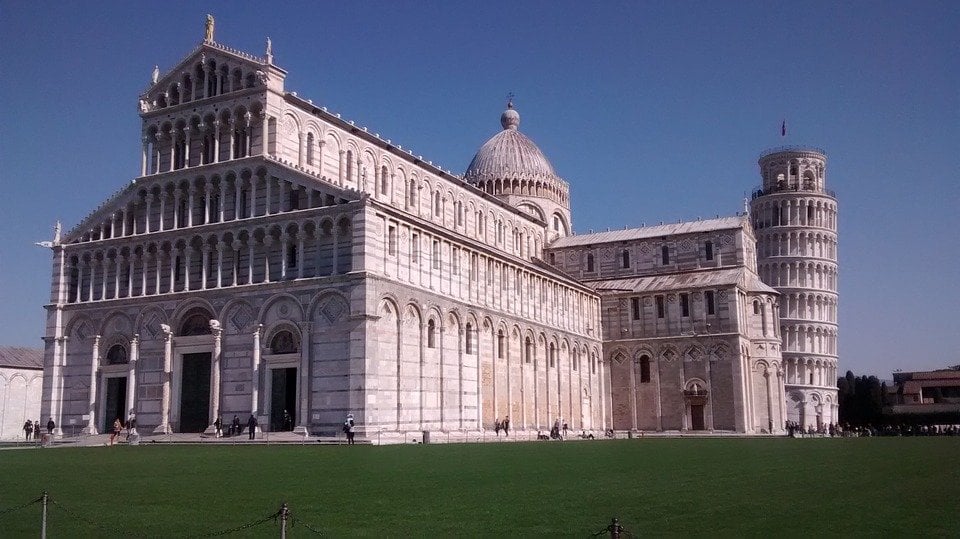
point(901, 430)
point(502, 425)
point(236, 428)
point(31, 429)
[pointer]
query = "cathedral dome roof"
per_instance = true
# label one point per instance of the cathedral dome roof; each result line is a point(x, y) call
point(509, 154)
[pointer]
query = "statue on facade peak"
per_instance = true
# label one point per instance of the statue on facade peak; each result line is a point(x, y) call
point(156, 75)
point(269, 50)
point(208, 36)
point(56, 233)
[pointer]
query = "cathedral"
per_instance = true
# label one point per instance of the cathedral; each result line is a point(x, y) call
point(274, 259)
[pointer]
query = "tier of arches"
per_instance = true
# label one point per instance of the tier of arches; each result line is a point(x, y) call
point(815, 275)
point(209, 77)
point(503, 369)
point(196, 139)
point(808, 244)
point(814, 307)
point(810, 371)
point(809, 338)
point(553, 189)
point(792, 211)
point(304, 248)
point(328, 153)
point(231, 195)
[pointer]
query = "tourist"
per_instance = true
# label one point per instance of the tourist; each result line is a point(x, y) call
point(50, 426)
point(252, 426)
point(287, 421)
point(496, 427)
point(117, 427)
point(28, 429)
point(131, 425)
point(506, 426)
point(565, 427)
point(218, 426)
point(36, 430)
point(350, 429)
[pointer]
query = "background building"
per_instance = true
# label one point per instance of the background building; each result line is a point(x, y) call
point(21, 379)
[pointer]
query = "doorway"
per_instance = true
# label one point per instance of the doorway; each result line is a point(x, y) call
point(116, 401)
point(195, 393)
point(283, 398)
point(696, 417)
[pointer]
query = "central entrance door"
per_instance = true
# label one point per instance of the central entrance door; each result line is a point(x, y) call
point(195, 393)
point(696, 417)
point(283, 398)
point(115, 402)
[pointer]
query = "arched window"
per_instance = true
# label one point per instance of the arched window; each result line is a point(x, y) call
point(589, 261)
point(196, 322)
point(385, 183)
point(468, 338)
point(431, 334)
point(436, 204)
point(284, 342)
point(500, 351)
point(625, 256)
point(349, 176)
point(310, 143)
point(553, 354)
point(117, 355)
point(528, 351)
point(644, 369)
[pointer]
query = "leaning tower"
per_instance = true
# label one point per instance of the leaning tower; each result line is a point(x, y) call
point(795, 220)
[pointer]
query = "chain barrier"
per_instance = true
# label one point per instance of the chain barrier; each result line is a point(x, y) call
point(296, 521)
point(19, 507)
point(248, 525)
point(615, 529)
point(89, 522)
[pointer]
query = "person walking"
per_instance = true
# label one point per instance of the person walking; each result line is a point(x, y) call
point(27, 430)
point(350, 429)
point(252, 426)
point(506, 426)
point(36, 430)
point(50, 426)
point(218, 426)
point(117, 428)
point(131, 426)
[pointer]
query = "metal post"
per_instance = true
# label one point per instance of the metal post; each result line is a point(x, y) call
point(43, 517)
point(284, 512)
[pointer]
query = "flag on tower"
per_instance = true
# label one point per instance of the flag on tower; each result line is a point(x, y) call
point(783, 128)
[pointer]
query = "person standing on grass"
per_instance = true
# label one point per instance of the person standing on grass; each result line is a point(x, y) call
point(117, 427)
point(27, 430)
point(36, 430)
point(350, 429)
point(252, 426)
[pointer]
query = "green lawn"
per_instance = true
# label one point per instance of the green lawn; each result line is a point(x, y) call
point(874, 486)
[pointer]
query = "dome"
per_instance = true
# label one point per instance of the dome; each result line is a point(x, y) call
point(508, 154)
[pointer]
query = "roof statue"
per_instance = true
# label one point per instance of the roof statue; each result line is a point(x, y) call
point(269, 54)
point(156, 75)
point(56, 234)
point(208, 38)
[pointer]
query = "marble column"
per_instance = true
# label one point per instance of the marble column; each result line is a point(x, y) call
point(91, 427)
point(164, 426)
point(255, 374)
point(132, 378)
point(303, 387)
point(217, 333)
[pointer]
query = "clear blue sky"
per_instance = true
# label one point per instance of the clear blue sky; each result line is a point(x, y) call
point(652, 111)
